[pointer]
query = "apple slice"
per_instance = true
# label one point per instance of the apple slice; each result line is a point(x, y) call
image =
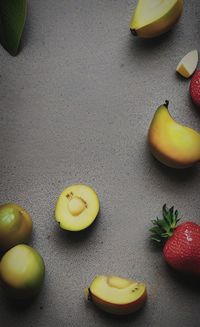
point(188, 64)
point(77, 207)
point(116, 295)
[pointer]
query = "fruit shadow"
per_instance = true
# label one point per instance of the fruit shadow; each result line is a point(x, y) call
point(26, 35)
point(69, 237)
point(191, 283)
point(181, 78)
point(173, 174)
point(18, 306)
point(195, 108)
point(1, 254)
point(142, 45)
point(154, 246)
point(108, 318)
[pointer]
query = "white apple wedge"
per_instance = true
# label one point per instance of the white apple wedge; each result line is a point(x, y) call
point(188, 64)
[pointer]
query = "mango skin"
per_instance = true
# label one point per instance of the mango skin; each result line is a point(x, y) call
point(174, 145)
point(118, 309)
point(15, 226)
point(161, 26)
point(22, 272)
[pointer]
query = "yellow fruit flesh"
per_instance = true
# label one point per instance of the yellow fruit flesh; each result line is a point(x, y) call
point(172, 143)
point(155, 17)
point(183, 71)
point(149, 11)
point(77, 207)
point(116, 290)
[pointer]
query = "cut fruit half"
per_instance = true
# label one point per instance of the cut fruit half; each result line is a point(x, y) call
point(155, 17)
point(188, 64)
point(77, 207)
point(117, 295)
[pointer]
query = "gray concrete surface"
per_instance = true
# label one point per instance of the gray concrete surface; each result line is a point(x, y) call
point(75, 107)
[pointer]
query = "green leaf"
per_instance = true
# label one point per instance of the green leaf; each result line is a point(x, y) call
point(163, 228)
point(156, 230)
point(12, 21)
point(156, 238)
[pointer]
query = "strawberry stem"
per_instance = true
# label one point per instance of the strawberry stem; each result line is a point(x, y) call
point(163, 228)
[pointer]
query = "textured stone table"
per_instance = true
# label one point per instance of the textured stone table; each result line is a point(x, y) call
point(75, 107)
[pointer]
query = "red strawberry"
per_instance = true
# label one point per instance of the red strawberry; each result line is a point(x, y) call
point(195, 88)
point(182, 243)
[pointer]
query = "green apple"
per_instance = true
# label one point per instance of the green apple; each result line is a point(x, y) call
point(117, 295)
point(77, 207)
point(15, 225)
point(22, 272)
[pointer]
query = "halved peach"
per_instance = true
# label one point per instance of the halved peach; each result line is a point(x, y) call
point(77, 207)
point(116, 295)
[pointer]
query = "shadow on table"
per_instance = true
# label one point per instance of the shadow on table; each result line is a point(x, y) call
point(174, 175)
point(182, 79)
point(191, 283)
point(195, 108)
point(76, 237)
point(147, 47)
point(19, 306)
point(107, 318)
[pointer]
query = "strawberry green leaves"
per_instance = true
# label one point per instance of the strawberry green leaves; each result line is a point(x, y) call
point(12, 21)
point(163, 228)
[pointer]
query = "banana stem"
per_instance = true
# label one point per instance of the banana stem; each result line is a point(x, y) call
point(166, 104)
point(133, 31)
